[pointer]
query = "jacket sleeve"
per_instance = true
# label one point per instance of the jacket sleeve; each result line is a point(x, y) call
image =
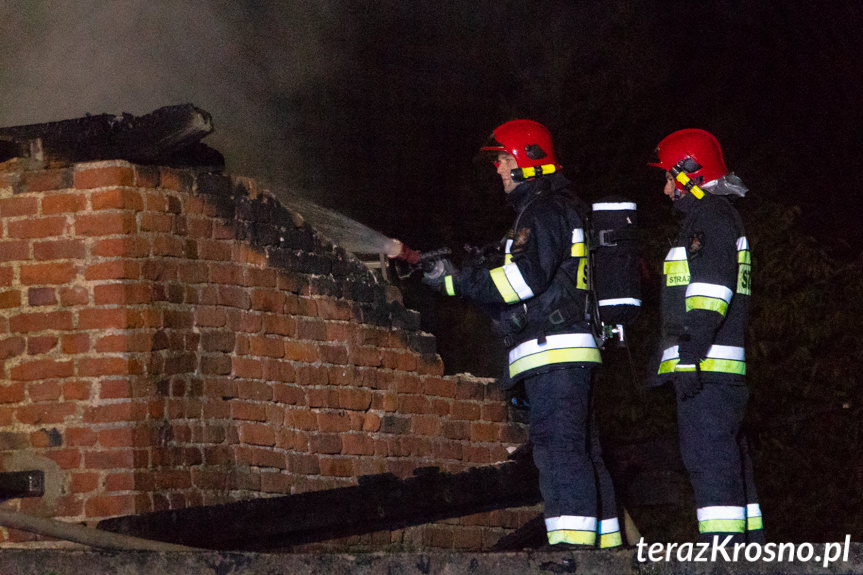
point(712, 253)
point(542, 241)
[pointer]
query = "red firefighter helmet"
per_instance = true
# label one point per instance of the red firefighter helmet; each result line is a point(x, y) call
point(527, 141)
point(696, 152)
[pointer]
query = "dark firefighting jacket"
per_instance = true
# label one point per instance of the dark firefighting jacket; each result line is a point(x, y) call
point(705, 292)
point(540, 291)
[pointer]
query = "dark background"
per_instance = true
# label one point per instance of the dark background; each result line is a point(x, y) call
point(376, 109)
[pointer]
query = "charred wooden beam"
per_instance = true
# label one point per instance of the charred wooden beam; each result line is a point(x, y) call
point(153, 138)
point(377, 503)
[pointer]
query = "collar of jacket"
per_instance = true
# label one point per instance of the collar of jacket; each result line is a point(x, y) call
point(688, 202)
point(525, 192)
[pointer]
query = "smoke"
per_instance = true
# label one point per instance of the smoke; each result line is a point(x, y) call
point(242, 61)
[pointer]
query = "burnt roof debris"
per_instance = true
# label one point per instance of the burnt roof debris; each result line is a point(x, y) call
point(168, 136)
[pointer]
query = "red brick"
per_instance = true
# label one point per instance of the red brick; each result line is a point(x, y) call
point(73, 343)
point(12, 392)
point(125, 294)
point(123, 481)
point(41, 296)
point(104, 318)
point(109, 506)
point(10, 299)
point(47, 180)
point(37, 227)
point(41, 344)
point(333, 422)
point(118, 269)
point(104, 224)
point(151, 222)
point(301, 351)
point(98, 366)
point(115, 389)
point(76, 389)
point(11, 347)
point(86, 178)
point(45, 413)
point(110, 413)
point(117, 199)
point(118, 437)
point(366, 356)
point(439, 387)
point(65, 458)
point(484, 432)
point(80, 437)
point(248, 411)
point(49, 274)
point(466, 410)
point(255, 390)
point(243, 367)
point(14, 250)
point(428, 425)
point(209, 316)
point(267, 346)
point(289, 394)
point(83, 482)
point(41, 369)
point(256, 434)
point(131, 247)
point(18, 206)
point(63, 203)
point(6, 275)
point(328, 443)
point(337, 466)
point(280, 371)
point(74, 296)
point(355, 399)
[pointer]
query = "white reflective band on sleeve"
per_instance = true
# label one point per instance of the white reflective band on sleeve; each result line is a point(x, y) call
point(742, 243)
point(676, 254)
point(609, 526)
point(516, 280)
point(557, 341)
point(715, 352)
point(726, 352)
point(709, 290)
point(508, 247)
point(609, 206)
point(670, 353)
point(570, 523)
point(578, 236)
point(721, 512)
point(753, 510)
point(620, 301)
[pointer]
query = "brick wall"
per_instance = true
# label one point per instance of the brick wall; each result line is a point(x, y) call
point(171, 338)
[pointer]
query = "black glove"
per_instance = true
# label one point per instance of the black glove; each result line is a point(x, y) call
point(687, 381)
point(436, 270)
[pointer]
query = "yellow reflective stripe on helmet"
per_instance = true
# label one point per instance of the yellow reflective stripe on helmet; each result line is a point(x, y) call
point(533, 171)
point(686, 180)
point(722, 518)
point(448, 285)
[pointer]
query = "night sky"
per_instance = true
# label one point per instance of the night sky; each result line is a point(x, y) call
point(377, 108)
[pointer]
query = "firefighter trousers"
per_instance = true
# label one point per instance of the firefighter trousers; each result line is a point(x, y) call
point(576, 487)
point(716, 454)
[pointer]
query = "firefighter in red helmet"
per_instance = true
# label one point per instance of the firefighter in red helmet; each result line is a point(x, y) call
point(705, 300)
point(539, 296)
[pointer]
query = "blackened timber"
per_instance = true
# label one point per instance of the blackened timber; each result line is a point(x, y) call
point(152, 138)
point(376, 504)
